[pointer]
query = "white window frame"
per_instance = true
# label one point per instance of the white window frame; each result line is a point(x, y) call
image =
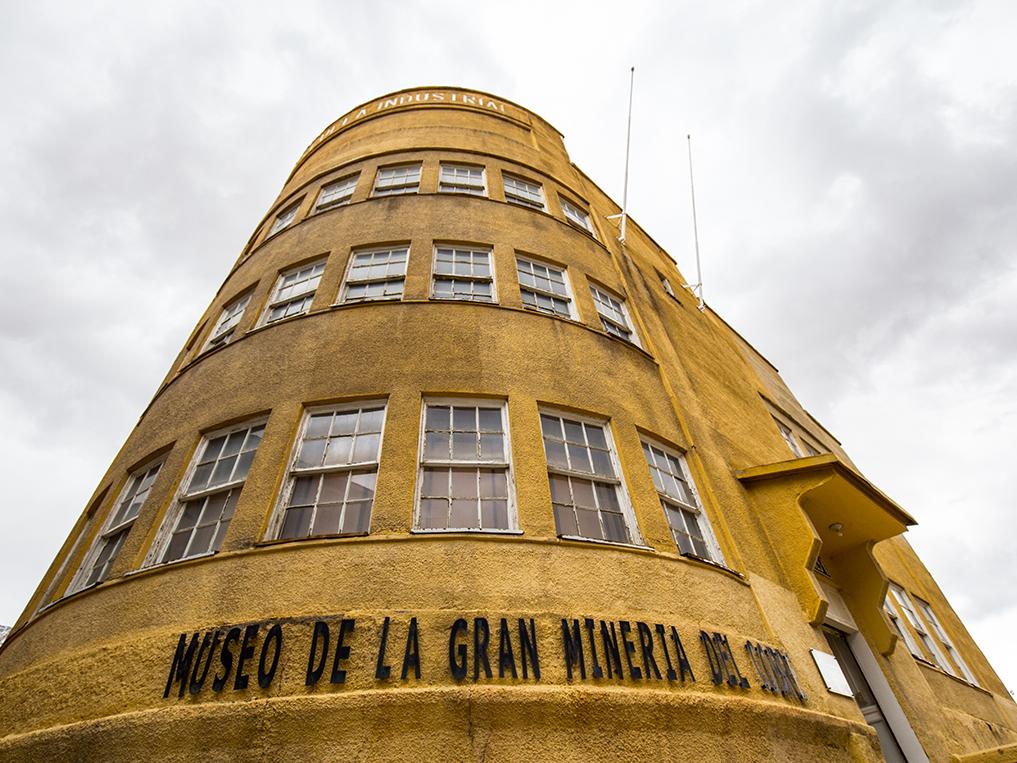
point(512, 508)
point(474, 248)
point(344, 298)
point(275, 525)
point(110, 530)
point(902, 628)
point(322, 204)
point(396, 189)
point(621, 490)
point(904, 603)
point(579, 217)
point(665, 283)
point(787, 434)
point(274, 301)
point(518, 198)
point(628, 325)
point(458, 186)
point(930, 617)
point(286, 217)
point(172, 519)
point(705, 525)
point(225, 328)
point(568, 297)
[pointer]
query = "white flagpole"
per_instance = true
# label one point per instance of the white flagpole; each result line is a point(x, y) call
point(698, 288)
point(628, 140)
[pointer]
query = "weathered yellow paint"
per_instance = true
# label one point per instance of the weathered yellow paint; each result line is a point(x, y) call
point(83, 675)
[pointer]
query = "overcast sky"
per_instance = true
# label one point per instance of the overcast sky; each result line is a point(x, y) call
point(856, 177)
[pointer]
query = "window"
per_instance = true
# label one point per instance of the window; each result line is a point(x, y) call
point(294, 292)
point(932, 620)
point(614, 318)
point(463, 273)
point(809, 449)
point(284, 218)
point(222, 334)
point(666, 284)
point(392, 181)
point(900, 627)
point(587, 497)
point(789, 438)
point(465, 467)
point(377, 274)
point(337, 193)
point(333, 473)
point(205, 505)
point(904, 603)
point(689, 526)
point(575, 215)
point(544, 287)
point(100, 558)
point(523, 192)
point(461, 178)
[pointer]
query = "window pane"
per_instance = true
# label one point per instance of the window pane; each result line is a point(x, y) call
point(296, 523)
point(565, 520)
point(464, 483)
point(436, 446)
point(357, 518)
point(433, 514)
point(464, 514)
point(434, 482)
point(494, 515)
point(589, 523)
point(312, 453)
point(437, 417)
point(614, 527)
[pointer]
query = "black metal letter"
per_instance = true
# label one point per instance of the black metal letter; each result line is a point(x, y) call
point(381, 670)
point(505, 656)
point(573, 646)
point(683, 659)
point(226, 659)
point(314, 671)
point(595, 668)
point(180, 668)
point(274, 635)
point(412, 654)
point(246, 653)
point(342, 651)
point(716, 668)
point(646, 648)
point(671, 675)
point(457, 652)
point(480, 643)
point(197, 683)
point(630, 649)
point(612, 655)
point(528, 647)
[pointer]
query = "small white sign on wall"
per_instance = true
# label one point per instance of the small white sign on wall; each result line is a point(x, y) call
point(831, 672)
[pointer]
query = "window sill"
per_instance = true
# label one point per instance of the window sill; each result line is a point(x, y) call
point(962, 681)
point(453, 531)
point(334, 536)
point(467, 301)
point(600, 542)
point(157, 565)
point(713, 564)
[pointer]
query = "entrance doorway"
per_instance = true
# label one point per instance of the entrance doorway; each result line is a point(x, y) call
point(838, 641)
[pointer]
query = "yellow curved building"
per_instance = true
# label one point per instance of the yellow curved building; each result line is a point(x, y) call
point(448, 472)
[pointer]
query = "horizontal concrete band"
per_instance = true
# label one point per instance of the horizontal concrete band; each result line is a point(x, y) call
point(463, 723)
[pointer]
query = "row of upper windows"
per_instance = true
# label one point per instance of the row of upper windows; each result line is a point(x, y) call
point(465, 483)
point(925, 647)
point(398, 179)
point(458, 272)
